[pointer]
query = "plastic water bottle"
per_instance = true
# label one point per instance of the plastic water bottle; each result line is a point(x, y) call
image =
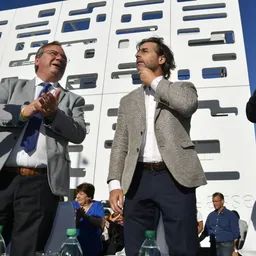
point(2, 243)
point(149, 247)
point(71, 246)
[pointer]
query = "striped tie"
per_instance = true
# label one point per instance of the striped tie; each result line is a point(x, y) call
point(30, 137)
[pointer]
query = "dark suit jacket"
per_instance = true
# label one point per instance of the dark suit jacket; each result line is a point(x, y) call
point(251, 108)
point(67, 126)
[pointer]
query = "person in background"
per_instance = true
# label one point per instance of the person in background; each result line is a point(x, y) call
point(200, 222)
point(116, 234)
point(153, 161)
point(38, 118)
point(222, 227)
point(89, 220)
point(105, 235)
point(243, 227)
point(251, 108)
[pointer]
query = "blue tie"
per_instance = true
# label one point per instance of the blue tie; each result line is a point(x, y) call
point(30, 136)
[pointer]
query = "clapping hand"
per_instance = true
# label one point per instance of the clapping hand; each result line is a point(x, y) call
point(49, 103)
point(79, 214)
point(46, 104)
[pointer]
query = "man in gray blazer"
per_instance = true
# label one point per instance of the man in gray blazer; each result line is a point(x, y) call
point(153, 160)
point(37, 120)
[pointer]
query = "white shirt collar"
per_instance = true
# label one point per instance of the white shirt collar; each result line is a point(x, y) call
point(38, 81)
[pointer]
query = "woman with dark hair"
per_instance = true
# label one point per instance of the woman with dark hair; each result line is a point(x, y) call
point(89, 220)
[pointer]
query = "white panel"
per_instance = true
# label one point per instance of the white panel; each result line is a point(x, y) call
point(195, 58)
point(95, 37)
point(234, 155)
point(4, 33)
point(105, 133)
point(235, 133)
point(86, 159)
point(117, 55)
point(24, 16)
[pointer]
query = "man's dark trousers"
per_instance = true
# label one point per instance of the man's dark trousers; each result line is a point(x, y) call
point(33, 206)
point(152, 191)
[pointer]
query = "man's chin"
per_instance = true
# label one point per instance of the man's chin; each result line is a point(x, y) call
point(140, 66)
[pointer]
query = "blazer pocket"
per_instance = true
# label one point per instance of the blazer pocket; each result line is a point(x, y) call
point(187, 144)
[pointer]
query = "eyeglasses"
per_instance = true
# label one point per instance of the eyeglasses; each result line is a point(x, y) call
point(55, 54)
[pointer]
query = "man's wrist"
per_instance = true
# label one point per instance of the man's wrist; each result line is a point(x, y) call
point(23, 117)
point(114, 184)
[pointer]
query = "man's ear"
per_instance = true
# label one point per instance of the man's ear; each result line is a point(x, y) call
point(162, 59)
point(36, 62)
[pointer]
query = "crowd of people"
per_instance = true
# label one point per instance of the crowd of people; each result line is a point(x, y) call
point(154, 168)
point(100, 235)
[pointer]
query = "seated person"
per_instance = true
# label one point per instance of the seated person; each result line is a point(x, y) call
point(89, 220)
point(116, 234)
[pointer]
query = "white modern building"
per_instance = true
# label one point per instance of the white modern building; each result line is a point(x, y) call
point(100, 39)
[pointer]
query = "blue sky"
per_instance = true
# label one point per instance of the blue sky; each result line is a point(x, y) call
point(248, 11)
point(13, 4)
point(248, 15)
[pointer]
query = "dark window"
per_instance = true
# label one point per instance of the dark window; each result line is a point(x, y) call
point(89, 8)
point(112, 112)
point(84, 81)
point(89, 107)
point(144, 2)
point(215, 108)
point(188, 30)
point(207, 146)
point(224, 56)
point(108, 143)
point(75, 25)
point(123, 43)
point(38, 43)
point(136, 30)
point(19, 46)
point(89, 53)
point(205, 16)
point(3, 22)
point(126, 18)
point(217, 72)
point(34, 33)
point(136, 78)
point(46, 13)
point(183, 74)
point(32, 25)
point(222, 175)
point(152, 15)
point(203, 6)
point(101, 17)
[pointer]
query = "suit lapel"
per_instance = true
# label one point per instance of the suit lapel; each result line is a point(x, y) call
point(140, 101)
point(157, 111)
point(28, 91)
point(62, 93)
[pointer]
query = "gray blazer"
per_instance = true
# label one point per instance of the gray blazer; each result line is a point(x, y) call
point(176, 102)
point(68, 126)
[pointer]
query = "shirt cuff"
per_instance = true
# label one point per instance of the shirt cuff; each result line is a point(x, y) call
point(114, 184)
point(155, 82)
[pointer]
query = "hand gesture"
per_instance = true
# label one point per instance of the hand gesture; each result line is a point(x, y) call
point(49, 103)
point(116, 199)
point(146, 76)
point(46, 104)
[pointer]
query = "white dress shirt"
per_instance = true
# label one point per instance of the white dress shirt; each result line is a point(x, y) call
point(38, 157)
point(149, 151)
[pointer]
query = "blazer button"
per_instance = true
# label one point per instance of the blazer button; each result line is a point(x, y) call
point(141, 133)
point(138, 149)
